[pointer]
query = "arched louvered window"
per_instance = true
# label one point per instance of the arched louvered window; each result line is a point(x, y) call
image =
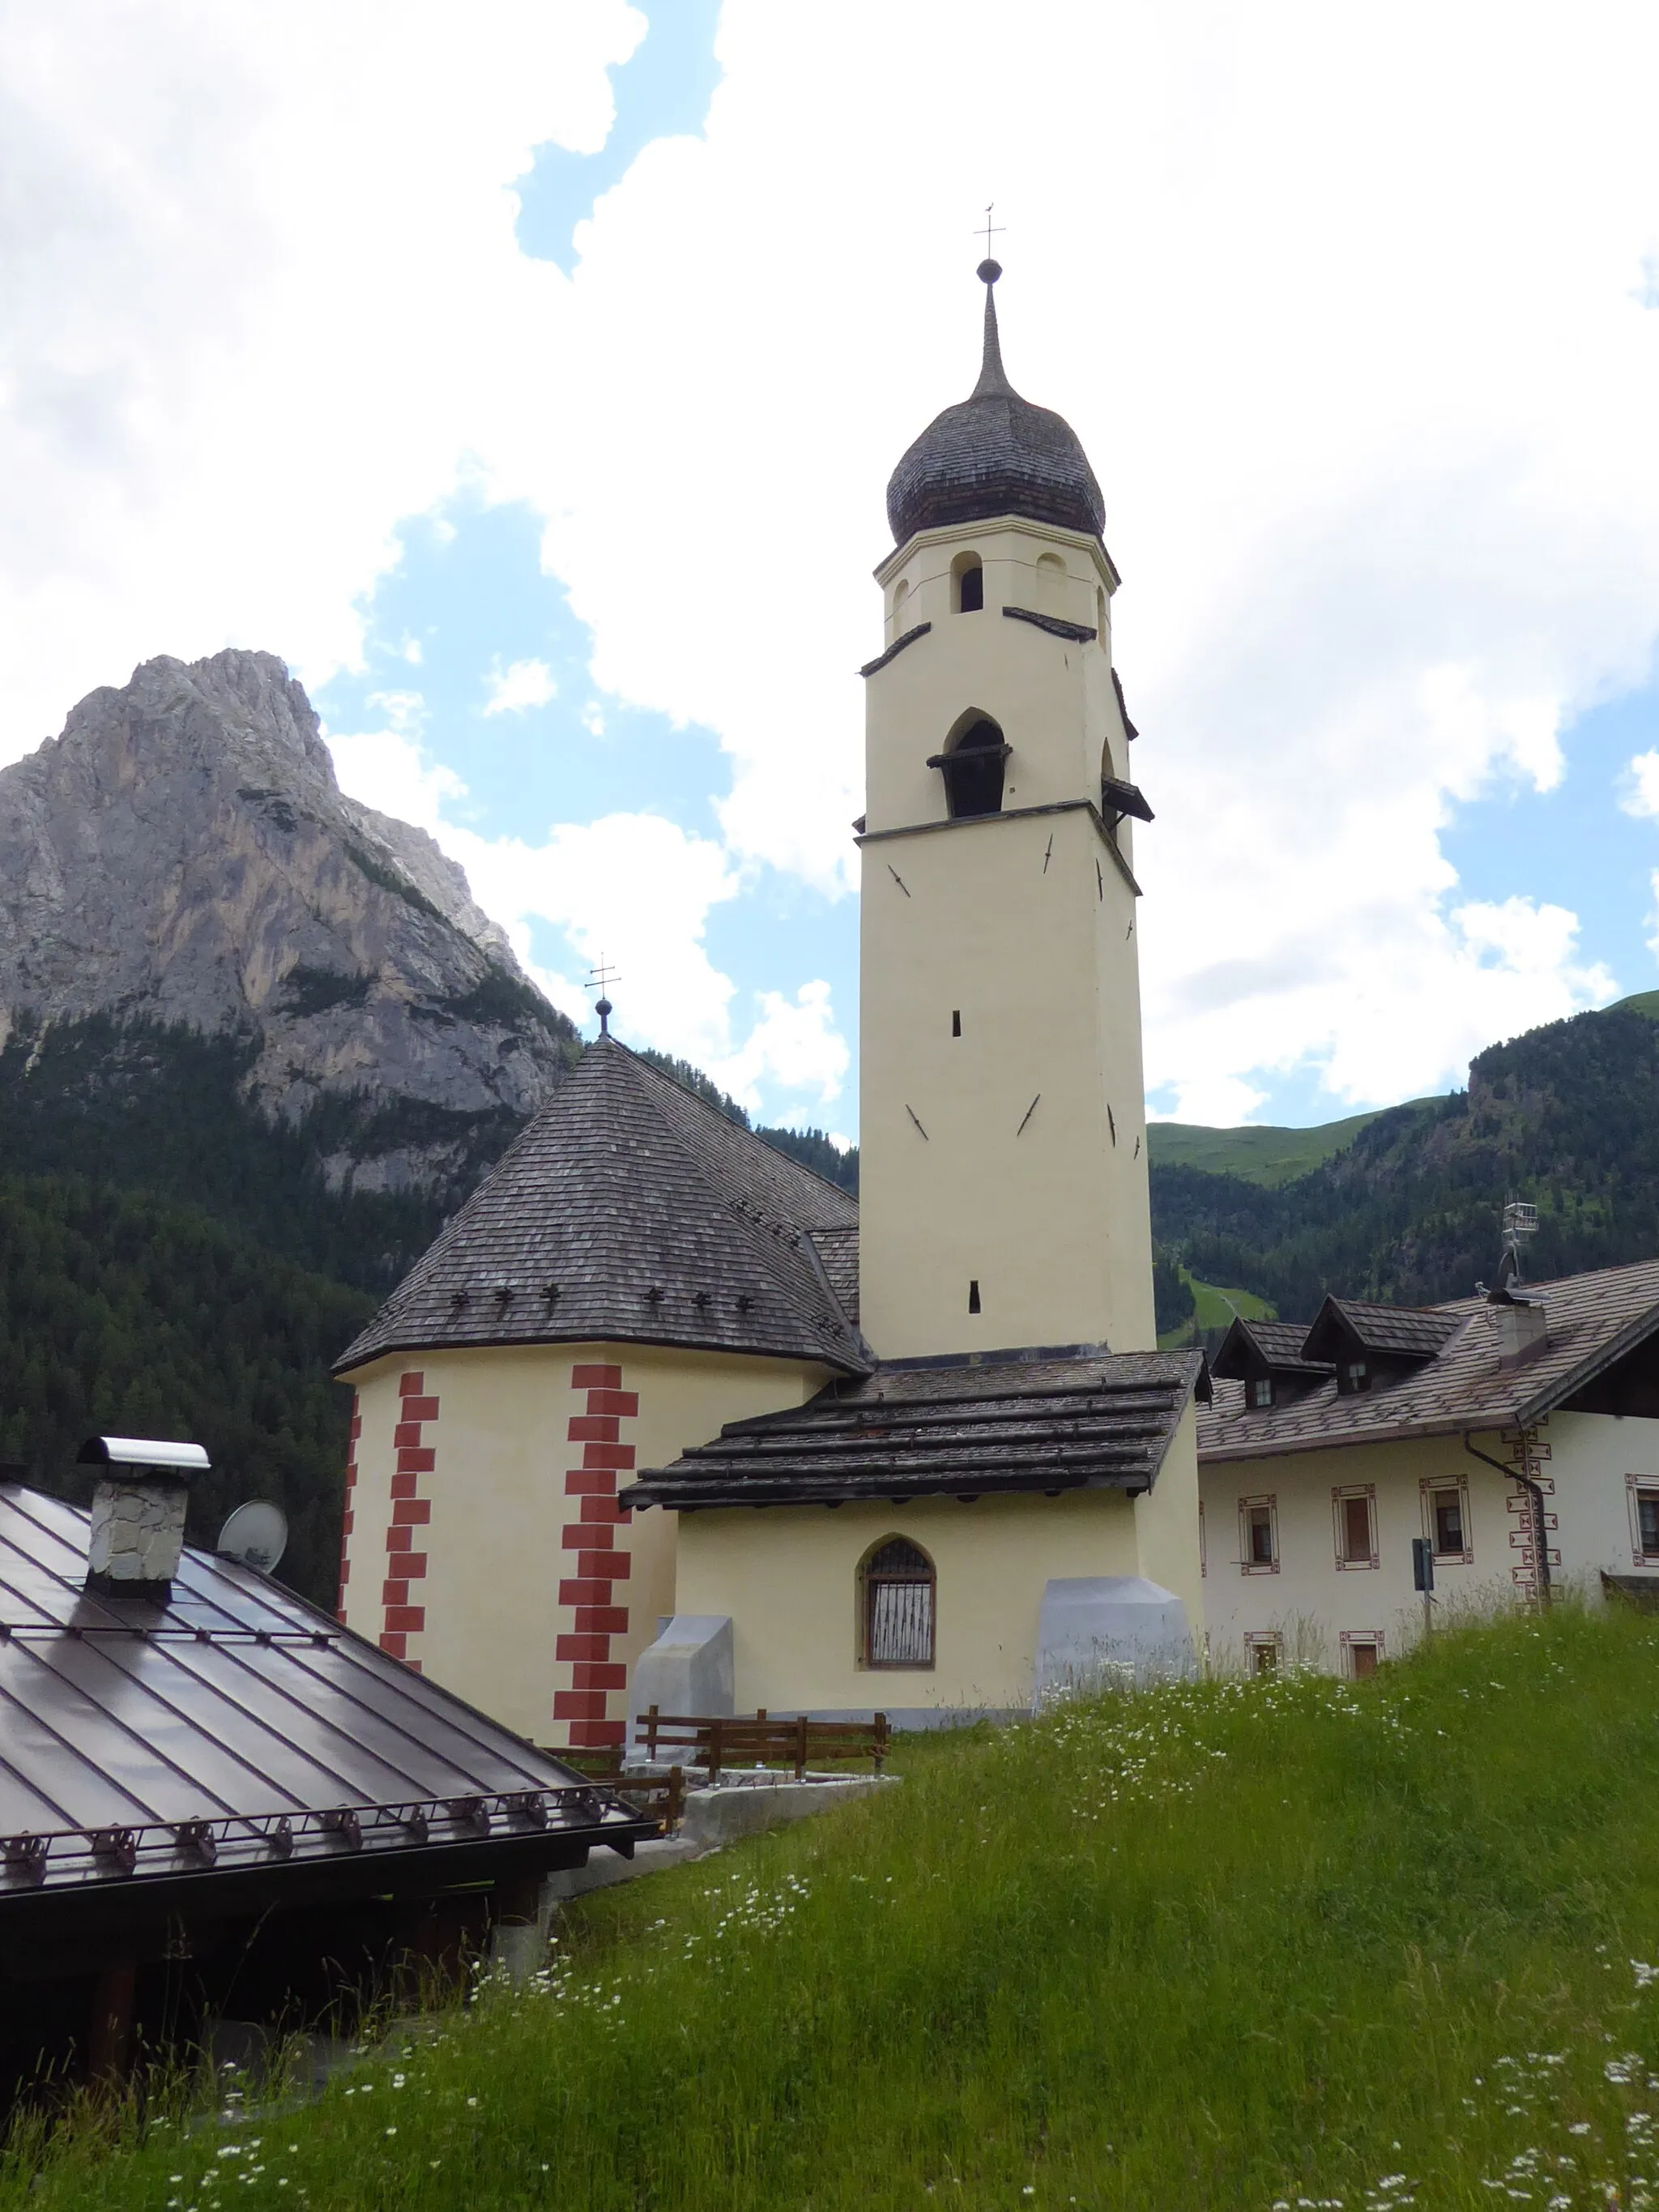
point(972, 763)
point(896, 1597)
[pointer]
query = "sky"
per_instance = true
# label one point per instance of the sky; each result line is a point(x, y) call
point(528, 377)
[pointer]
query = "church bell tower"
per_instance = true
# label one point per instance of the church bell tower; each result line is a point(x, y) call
point(1003, 1142)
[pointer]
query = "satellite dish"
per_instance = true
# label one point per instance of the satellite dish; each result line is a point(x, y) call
point(256, 1534)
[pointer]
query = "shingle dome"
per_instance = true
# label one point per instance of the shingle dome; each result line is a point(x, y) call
point(992, 454)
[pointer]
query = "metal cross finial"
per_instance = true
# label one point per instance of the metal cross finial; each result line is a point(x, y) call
point(991, 229)
point(597, 977)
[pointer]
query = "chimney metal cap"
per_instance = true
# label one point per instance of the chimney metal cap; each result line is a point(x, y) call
point(144, 1455)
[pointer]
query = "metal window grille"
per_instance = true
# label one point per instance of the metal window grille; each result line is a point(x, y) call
point(1647, 1507)
point(898, 1598)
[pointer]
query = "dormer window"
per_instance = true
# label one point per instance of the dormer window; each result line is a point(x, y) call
point(1261, 1390)
point(1353, 1376)
point(967, 585)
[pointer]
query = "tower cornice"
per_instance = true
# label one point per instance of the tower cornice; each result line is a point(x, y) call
point(1009, 814)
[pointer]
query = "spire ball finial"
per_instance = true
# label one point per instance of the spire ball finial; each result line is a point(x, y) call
point(989, 271)
point(604, 1010)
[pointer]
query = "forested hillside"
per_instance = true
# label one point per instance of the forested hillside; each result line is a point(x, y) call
point(1566, 1116)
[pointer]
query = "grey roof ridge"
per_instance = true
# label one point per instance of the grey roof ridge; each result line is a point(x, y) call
point(759, 1244)
point(414, 1338)
point(754, 1135)
point(809, 1238)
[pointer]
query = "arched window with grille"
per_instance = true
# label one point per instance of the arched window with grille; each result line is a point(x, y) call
point(896, 1593)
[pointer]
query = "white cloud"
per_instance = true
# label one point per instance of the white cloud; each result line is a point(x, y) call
point(1640, 794)
point(1367, 383)
point(633, 890)
point(793, 1046)
point(261, 281)
point(387, 768)
point(1216, 1101)
point(525, 684)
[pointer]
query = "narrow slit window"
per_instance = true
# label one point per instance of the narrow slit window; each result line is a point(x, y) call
point(969, 580)
point(973, 1294)
point(897, 1604)
point(956, 1022)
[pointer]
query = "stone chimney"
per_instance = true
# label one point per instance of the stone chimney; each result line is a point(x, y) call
point(1522, 1326)
point(138, 1506)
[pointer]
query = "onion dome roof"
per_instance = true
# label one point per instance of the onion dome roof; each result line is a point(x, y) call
point(994, 453)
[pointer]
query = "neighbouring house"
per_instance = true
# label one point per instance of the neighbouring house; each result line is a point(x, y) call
point(1516, 1433)
point(216, 1802)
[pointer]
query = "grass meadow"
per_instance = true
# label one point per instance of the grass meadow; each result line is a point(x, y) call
point(1290, 1942)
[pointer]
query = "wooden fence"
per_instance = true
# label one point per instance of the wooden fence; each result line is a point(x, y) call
point(714, 1742)
point(661, 1796)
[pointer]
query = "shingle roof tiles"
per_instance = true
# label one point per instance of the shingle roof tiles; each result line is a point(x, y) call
point(1592, 1319)
point(630, 1211)
point(1100, 1421)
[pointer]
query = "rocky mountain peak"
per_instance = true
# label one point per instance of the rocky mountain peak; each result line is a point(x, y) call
point(183, 854)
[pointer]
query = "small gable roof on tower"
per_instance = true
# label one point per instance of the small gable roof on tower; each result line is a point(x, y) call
point(630, 1211)
point(994, 453)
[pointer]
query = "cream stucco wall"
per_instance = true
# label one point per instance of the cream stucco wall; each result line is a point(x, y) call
point(788, 1576)
point(1581, 1459)
point(500, 1504)
point(1166, 1525)
point(1011, 1155)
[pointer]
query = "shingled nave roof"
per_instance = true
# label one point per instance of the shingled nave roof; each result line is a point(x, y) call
point(630, 1212)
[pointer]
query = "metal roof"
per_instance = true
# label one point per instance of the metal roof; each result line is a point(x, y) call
point(235, 1728)
point(144, 1452)
point(1091, 1421)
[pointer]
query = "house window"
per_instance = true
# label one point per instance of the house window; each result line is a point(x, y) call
point(897, 1608)
point(1449, 1520)
point(1355, 1514)
point(1362, 1649)
point(1352, 1377)
point(901, 593)
point(967, 585)
point(1262, 1652)
point(1262, 1389)
point(1644, 1491)
point(1258, 1535)
point(1050, 582)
